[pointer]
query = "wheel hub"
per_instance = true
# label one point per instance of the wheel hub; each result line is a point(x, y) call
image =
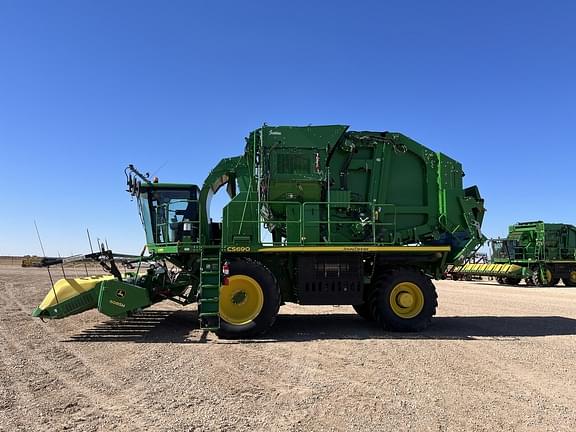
point(241, 300)
point(406, 300)
point(239, 297)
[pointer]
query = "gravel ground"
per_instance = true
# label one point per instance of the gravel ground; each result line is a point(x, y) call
point(495, 358)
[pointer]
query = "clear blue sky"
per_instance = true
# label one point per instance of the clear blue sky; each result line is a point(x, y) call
point(87, 87)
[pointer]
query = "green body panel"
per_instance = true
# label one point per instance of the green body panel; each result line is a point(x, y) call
point(117, 299)
point(356, 187)
point(240, 220)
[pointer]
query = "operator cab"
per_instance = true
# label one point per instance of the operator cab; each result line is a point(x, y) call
point(169, 212)
point(504, 249)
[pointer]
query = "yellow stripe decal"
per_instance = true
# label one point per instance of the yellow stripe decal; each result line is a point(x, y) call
point(403, 249)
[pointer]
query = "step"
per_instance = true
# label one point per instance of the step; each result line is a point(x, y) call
point(208, 314)
point(209, 300)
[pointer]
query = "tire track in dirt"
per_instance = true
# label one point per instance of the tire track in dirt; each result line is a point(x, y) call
point(502, 382)
point(307, 376)
point(333, 374)
point(11, 399)
point(38, 389)
point(40, 350)
point(329, 383)
point(547, 397)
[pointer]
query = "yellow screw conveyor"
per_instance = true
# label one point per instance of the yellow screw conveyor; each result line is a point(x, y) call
point(496, 270)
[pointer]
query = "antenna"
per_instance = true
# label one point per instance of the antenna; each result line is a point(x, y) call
point(47, 267)
point(91, 250)
point(62, 265)
point(159, 168)
point(39, 239)
point(89, 240)
point(75, 267)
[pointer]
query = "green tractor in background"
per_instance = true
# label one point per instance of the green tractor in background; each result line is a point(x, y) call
point(318, 215)
point(540, 253)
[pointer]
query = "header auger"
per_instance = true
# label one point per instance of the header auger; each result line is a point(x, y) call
point(317, 215)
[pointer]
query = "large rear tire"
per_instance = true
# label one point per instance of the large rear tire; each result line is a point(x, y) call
point(405, 300)
point(249, 302)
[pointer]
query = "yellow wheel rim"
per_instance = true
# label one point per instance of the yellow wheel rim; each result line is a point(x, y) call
point(241, 300)
point(406, 300)
point(573, 276)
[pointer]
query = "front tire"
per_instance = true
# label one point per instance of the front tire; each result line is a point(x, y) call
point(405, 301)
point(570, 281)
point(543, 278)
point(249, 302)
point(366, 309)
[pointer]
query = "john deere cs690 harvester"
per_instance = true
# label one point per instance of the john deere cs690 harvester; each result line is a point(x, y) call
point(355, 218)
point(540, 253)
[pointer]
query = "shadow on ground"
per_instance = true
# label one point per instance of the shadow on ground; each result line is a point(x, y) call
point(146, 327)
point(182, 327)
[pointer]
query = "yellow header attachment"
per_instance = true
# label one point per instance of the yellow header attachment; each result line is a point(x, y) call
point(511, 270)
point(65, 289)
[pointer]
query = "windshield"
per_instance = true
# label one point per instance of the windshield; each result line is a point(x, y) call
point(170, 215)
point(504, 249)
point(499, 249)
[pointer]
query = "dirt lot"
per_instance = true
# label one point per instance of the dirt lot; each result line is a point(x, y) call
point(496, 358)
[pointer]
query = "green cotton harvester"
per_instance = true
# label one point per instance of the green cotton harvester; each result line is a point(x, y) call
point(540, 253)
point(318, 215)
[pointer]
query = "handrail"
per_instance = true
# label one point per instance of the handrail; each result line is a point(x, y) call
point(373, 213)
